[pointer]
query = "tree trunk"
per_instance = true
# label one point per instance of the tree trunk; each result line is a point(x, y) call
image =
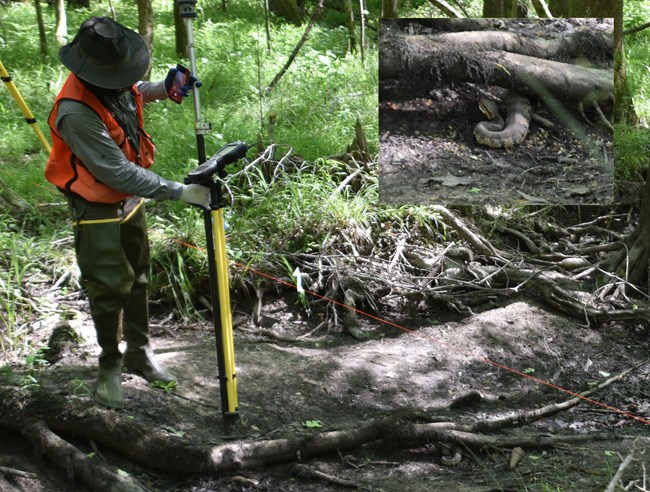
point(353, 41)
point(181, 33)
point(61, 23)
point(500, 8)
point(624, 111)
point(145, 27)
point(496, 58)
point(267, 25)
point(11, 203)
point(85, 4)
point(287, 9)
point(633, 263)
point(592, 8)
point(560, 8)
point(362, 43)
point(390, 9)
point(41, 28)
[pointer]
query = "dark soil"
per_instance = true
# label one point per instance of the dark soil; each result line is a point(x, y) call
point(429, 155)
point(327, 378)
point(424, 140)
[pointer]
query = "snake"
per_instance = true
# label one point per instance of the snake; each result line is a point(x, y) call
point(498, 133)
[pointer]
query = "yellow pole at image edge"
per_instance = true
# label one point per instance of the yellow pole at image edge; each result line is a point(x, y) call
point(29, 117)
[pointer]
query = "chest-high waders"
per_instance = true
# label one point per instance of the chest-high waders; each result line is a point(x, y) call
point(112, 248)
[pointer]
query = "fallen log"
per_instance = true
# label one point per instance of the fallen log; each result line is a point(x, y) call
point(433, 58)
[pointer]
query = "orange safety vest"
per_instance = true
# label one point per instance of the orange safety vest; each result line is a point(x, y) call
point(67, 172)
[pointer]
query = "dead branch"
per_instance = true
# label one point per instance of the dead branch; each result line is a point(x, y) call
point(560, 297)
point(542, 9)
point(296, 50)
point(445, 8)
point(12, 203)
point(19, 473)
point(613, 483)
point(309, 472)
point(524, 418)
point(265, 332)
point(167, 453)
point(637, 28)
point(477, 241)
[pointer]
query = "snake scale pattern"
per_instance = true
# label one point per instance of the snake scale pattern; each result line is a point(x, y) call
point(498, 133)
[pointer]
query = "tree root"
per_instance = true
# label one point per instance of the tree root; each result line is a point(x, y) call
point(166, 453)
point(310, 472)
point(76, 464)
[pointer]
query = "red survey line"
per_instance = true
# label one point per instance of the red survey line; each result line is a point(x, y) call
point(439, 342)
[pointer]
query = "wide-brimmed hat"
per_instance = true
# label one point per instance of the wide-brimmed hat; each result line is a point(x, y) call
point(106, 54)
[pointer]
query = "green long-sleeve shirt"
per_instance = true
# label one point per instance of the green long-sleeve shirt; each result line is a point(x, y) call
point(84, 132)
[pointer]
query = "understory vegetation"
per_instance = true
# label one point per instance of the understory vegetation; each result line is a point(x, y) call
point(314, 109)
point(297, 201)
point(295, 205)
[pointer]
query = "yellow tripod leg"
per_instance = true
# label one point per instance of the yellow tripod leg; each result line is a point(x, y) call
point(29, 117)
point(224, 303)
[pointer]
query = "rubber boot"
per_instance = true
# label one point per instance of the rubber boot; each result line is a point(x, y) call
point(142, 360)
point(108, 391)
point(139, 356)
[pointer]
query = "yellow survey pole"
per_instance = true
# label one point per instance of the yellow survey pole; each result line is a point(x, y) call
point(227, 340)
point(29, 117)
point(208, 173)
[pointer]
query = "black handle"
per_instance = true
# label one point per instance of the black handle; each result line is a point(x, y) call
point(227, 154)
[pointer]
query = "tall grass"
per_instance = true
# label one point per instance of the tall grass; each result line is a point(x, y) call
point(637, 51)
point(316, 105)
point(16, 261)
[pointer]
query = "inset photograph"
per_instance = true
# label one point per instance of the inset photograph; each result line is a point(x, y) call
point(496, 111)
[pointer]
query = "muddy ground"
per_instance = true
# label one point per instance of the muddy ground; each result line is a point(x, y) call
point(428, 154)
point(331, 381)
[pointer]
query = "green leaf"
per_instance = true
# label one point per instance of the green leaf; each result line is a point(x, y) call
point(178, 433)
point(167, 387)
point(313, 424)
point(604, 374)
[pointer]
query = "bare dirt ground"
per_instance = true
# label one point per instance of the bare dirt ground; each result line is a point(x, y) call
point(324, 380)
point(428, 154)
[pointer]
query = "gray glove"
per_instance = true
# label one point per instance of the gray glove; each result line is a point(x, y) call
point(196, 195)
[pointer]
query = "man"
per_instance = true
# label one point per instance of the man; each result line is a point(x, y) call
point(100, 160)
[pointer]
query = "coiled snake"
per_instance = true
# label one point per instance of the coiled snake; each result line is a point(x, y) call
point(496, 133)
